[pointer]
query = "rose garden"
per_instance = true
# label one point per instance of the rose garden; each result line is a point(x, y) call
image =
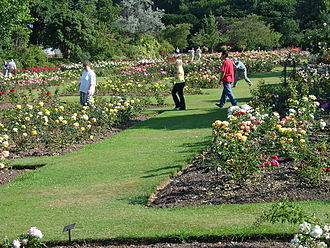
point(128, 170)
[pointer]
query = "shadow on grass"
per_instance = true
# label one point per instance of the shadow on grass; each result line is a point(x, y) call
point(247, 99)
point(265, 74)
point(188, 120)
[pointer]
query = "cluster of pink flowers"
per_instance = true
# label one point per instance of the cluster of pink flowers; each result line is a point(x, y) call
point(268, 163)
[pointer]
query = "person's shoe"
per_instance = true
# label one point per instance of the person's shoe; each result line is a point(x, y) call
point(219, 105)
point(250, 84)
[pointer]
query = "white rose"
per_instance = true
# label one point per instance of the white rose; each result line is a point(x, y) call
point(316, 232)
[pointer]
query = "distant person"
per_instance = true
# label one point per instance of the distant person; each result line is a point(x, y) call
point(177, 50)
point(178, 86)
point(199, 53)
point(5, 69)
point(87, 84)
point(240, 72)
point(192, 54)
point(227, 78)
point(12, 67)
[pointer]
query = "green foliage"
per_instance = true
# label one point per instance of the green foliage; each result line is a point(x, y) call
point(14, 18)
point(177, 35)
point(209, 34)
point(285, 211)
point(31, 56)
point(251, 33)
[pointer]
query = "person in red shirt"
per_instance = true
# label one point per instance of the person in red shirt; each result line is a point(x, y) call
point(227, 78)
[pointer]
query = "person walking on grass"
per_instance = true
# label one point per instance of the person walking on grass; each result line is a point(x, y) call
point(87, 84)
point(227, 78)
point(199, 53)
point(178, 86)
point(240, 72)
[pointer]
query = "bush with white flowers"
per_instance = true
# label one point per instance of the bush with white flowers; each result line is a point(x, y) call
point(312, 236)
point(30, 239)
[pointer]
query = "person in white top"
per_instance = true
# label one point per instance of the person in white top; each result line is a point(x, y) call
point(87, 84)
point(192, 54)
point(199, 53)
point(12, 67)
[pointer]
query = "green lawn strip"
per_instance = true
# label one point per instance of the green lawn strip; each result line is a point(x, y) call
point(103, 186)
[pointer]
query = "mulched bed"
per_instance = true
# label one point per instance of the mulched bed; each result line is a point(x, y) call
point(9, 175)
point(198, 185)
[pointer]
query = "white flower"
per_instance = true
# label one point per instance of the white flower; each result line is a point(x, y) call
point(246, 107)
point(322, 124)
point(312, 116)
point(295, 240)
point(321, 245)
point(2, 166)
point(25, 241)
point(326, 228)
point(276, 114)
point(16, 243)
point(233, 108)
point(305, 227)
point(33, 231)
point(316, 232)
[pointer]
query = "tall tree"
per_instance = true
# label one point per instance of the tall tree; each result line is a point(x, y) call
point(14, 25)
point(209, 35)
point(138, 17)
point(177, 35)
point(250, 33)
point(81, 29)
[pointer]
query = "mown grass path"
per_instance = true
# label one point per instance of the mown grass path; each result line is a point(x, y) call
point(102, 187)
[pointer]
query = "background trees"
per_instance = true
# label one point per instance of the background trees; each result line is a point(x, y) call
point(105, 29)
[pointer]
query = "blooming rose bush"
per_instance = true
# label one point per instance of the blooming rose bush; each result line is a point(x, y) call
point(44, 125)
point(312, 235)
point(30, 239)
point(236, 148)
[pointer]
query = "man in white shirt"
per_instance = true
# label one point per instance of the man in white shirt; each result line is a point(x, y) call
point(87, 84)
point(240, 72)
point(12, 67)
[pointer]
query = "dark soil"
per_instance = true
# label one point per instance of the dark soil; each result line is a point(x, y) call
point(198, 184)
point(9, 175)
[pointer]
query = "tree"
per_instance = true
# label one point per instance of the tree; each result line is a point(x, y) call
point(250, 33)
point(177, 35)
point(209, 35)
point(138, 17)
point(14, 25)
point(81, 29)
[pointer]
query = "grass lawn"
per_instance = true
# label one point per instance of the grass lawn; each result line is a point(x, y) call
point(103, 187)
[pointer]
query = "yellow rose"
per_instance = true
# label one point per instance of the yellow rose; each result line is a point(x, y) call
point(18, 106)
point(34, 132)
point(5, 144)
point(76, 124)
point(290, 140)
point(302, 141)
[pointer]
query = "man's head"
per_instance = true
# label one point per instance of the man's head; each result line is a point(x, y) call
point(224, 54)
point(87, 65)
point(235, 59)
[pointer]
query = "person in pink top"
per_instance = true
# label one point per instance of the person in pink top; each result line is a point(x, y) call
point(227, 78)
